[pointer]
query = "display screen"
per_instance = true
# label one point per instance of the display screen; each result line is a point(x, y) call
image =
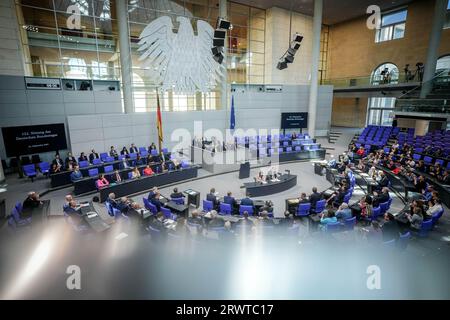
point(294, 120)
point(26, 140)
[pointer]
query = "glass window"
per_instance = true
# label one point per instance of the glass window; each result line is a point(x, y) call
point(392, 26)
point(386, 73)
point(447, 20)
point(380, 111)
point(443, 63)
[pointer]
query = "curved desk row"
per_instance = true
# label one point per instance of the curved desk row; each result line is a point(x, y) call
point(141, 184)
point(258, 189)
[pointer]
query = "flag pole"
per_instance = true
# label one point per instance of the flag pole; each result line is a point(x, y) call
point(159, 123)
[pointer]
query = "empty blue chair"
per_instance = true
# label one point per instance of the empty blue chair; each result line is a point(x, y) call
point(249, 209)
point(178, 200)
point(154, 152)
point(144, 153)
point(289, 149)
point(165, 150)
point(384, 207)
point(333, 227)
point(376, 212)
point(44, 167)
point(133, 156)
point(428, 160)
point(298, 148)
point(83, 164)
point(109, 159)
point(93, 172)
point(18, 206)
point(303, 209)
point(30, 171)
point(280, 150)
point(130, 175)
point(184, 164)
point(109, 168)
point(347, 197)
point(440, 161)
point(121, 157)
point(425, 228)
point(167, 213)
point(225, 208)
point(416, 156)
point(285, 143)
point(96, 161)
point(142, 149)
point(18, 220)
point(320, 206)
point(103, 156)
point(207, 205)
point(403, 240)
point(350, 223)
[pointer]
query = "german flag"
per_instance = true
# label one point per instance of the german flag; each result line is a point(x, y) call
point(159, 122)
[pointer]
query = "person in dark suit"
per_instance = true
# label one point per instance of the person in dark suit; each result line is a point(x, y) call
point(32, 201)
point(124, 151)
point(381, 198)
point(176, 194)
point(247, 201)
point(70, 159)
point(151, 147)
point(133, 149)
point(152, 193)
point(390, 228)
point(115, 177)
point(303, 198)
point(58, 162)
point(384, 181)
point(314, 197)
point(113, 152)
point(112, 200)
point(229, 199)
point(93, 155)
point(156, 202)
point(211, 196)
point(73, 208)
point(82, 157)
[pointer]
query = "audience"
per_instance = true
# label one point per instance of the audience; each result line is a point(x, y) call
point(176, 194)
point(102, 181)
point(148, 171)
point(93, 155)
point(135, 173)
point(76, 174)
point(343, 212)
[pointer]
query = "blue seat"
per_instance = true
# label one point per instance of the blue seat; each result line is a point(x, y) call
point(303, 209)
point(425, 228)
point(384, 207)
point(347, 197)
point(350, 223)
point(133, 156)
point(249, 209)
point(184, 164)
point(96, 161)
point(30, 171)
point(320, 206)
point(109, 168)
point(109, 208)
point(142, 149)
point(103, 156)
point(18, 206)
point(167, 213)
point(298, 148)
point(333, 227)
point(436, 216)
point(225, 208)
point(121, 157)
point(154, 152)
point(165, 151)
point(18, 220)
point(289, 149)
point(178, 200)
point(109, 159)
point(150, 206)
point(93, 172)
point(130, 175)
point(44, 167)
point(83, 164)
point(144, 153)
point(376, 212)
point(207, 205)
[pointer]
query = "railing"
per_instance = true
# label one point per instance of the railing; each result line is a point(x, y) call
point(423, 105)
point(366, 81)
point(441, 78)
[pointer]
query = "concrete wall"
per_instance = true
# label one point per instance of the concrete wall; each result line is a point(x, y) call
point(349, 112)
point(19, 106)
point(277, 42)
point(353, 51)
point(11, 57)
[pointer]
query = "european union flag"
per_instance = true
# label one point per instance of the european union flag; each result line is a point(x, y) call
point(232, 116)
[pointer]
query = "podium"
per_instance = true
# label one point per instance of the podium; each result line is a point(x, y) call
point(244, 170)
point(193, 197)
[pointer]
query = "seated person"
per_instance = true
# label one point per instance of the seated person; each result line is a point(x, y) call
point(212, 196)
point(113, 152)
point(55, 169)
point(116, 177)
point(152, 193)
point(76, 174)
point(82, 157)
point(434, 206)
point(93, 155)
point(380, 197)
point(139, 161)
point(228, 234)
point(415, 219)
point(343, 212)
point(245, 221)
point(176, 194)
point(264, 218)
point(213, 220)
point(72, 208)
point(112, 200)
point(247, 201)
point(102, 181)
point(261, 177)
point(133, 149)
point(229, 199)
point(124, 151)
point(123, 204)
point(337, 197)
point(360, 152)
point(327, 217)
point(303, 198)
point(176, 164)
point(32, 201)
point(390, 228)
point(135, 173)
point(68, 198)
point(365, 204)
point(158, 222)
point(148, 171)
point(314, 197)
point(151, 147)
point(196, 219)
point(420, 184)
point(58, 162)
point(383, 180)
point(156, 201)
point(70, 160)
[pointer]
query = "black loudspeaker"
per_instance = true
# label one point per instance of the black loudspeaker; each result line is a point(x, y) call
point(218, 42)
point(223, 24)
point(220, 34)
point(289, 59)
point(296, 46)
point(298, 38)
point(216, 51)
point(281, 65)
point(244, 170)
